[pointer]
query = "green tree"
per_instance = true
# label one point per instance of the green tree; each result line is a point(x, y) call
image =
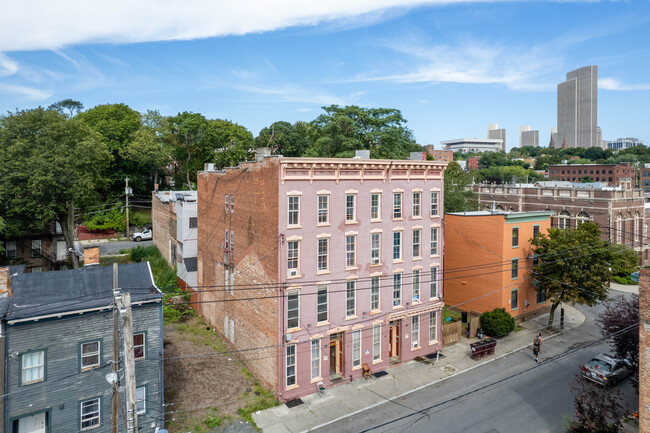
point(190, 136)
point(73, 107)
point(232, 143)
point(286, 139)
point(576, 266)
point(50, 166)
point(458, 198)
point(509, 173)
point(597, 408)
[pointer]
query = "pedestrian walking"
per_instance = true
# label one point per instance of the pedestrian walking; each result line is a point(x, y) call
point(537, 345)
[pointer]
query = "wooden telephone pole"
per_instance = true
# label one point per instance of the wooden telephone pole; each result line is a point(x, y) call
point(124, 305)
point(116, 348)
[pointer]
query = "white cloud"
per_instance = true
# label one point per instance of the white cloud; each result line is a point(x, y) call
point(36, 25)
point(612, 84)
point(29, 92)
point(287, 93)
point(7, 66)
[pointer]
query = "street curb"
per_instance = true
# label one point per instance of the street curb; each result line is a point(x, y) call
point(388, 400)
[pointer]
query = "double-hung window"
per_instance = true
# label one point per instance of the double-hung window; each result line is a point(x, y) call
point(291, 365)
point(33, 367)
point(90, 354)
point(351, 298)
point(513, 299)
point(350, 251)
point(36, 248)
point(350, 207)
point(433, 283)
point(415, 332)
point(293, 256)
point(514, 271)
point(375, 206)
point(515, 236)
point(397, 290)
point(294, 210)
point(356, 348)
point(90, 413)
point(374, 293)
point(323, 254)
point(541, 296)
point(434, 241)
point(416, 285)
point(227, 203)
point(293, 309)
point(397, 245)
point(433, 326)
point(315, 358)
point(417, 204)
point(232, 204)
point(323, 209)
point(139, 346)
point(535, 232)
point(376, 342)
point(397, 205)
point(322, 304)
point(417, 243)
point(141, 400)
point(434, 203)
point(10, 249)
point(375, 244)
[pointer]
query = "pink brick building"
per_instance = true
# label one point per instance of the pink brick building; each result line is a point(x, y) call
point(342, 256)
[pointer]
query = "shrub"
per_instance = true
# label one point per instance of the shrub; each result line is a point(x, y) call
point(497, 322)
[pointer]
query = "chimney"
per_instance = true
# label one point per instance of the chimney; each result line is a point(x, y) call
point(362, 154)
point(208, 166)
point(91, 256)
point(4, 279)
point(418, 156)
point(261, 152)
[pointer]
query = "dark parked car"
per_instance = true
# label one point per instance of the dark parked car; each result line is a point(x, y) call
point(606, 369)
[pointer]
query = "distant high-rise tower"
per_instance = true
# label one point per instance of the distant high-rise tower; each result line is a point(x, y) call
point(495, 133)
point(528, 137)
point(577, 109)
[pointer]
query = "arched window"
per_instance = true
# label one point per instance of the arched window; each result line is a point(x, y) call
point(582, 217)
point(499, 207)
point(619, 228)
point(563, 219)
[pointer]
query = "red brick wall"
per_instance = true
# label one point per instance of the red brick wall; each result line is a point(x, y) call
point(644, 351)
point(163, 225)
point(255, 261)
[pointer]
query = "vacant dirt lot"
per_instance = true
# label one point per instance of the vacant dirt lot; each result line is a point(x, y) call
point(204, 387)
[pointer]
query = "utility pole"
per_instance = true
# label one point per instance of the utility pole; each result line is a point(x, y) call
point(116, 347)
point(124, 303)
point(126, 191)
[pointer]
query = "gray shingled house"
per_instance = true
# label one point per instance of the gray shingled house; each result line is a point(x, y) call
point(57, 341)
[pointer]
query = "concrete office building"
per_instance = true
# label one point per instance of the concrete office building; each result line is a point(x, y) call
point(468, 145)
point(528, 137)
point(494, 133)
point(624, 143)
point(577, 109)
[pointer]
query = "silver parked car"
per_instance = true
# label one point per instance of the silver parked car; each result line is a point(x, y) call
point(144, 235)
point(606, 369)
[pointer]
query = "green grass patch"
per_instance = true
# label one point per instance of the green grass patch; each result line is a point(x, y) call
point(198, 332)
point(518, 328)
point(260, 399)
point(453, 314)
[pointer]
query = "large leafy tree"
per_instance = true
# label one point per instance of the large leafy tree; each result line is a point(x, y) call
point(190, 136)
point(342, 130)
point(286, 139)
point(576, 265)
point(620, 322)
point(232, 143)
point(597, 408)
point(458, 198)
point(50, 165)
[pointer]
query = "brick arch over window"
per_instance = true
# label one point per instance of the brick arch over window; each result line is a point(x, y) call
point(582, 217)
point(563, 219)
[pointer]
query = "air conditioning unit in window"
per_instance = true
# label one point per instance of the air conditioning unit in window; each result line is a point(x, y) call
point(374, 261)
point(293, 272)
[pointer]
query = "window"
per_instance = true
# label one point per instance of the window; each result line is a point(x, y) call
point(232, 203)
point(356, 348)
point(374, 293)
point(294, 210)
point(350, 251)
point(563, 220)
point(33, 367)
point(397, 245)
point(433, 284)
point(513, 299)
point(535, 232)
point(315, 359)
point(397, 290)
point(375, 242)
point(350, 208)
point(193, 222)
point(515, 236)
point(582, 217)
point(416, 242)
point(141, 400)
point(139, 349)
point(350, 298)
point(323, 253)
point(232, 242)
point(535, 260)
point(293, 307)
point(416, 285)
point(322, 307)
point(619, 228)
point(227, 201)
point(90, 354)
point(433, 326)
point(415, 332)
point(376, 342)
point(541, 296)
point(36, 269)
point(226, 243)
point(417, 204)
point(434, 241)
point(293, 254)
point(323, 209)
point(90, 413)
point(10, 249)
point(375, 206)
point(434, 203)
point(397, 205)
point(36, 247)
point(291, 365)
point(514, 270)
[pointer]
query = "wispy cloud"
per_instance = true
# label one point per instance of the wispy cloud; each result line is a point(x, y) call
point(7, 66)
point(294, 94)
point(612, 84)
point(34, 25)
point(30, 93)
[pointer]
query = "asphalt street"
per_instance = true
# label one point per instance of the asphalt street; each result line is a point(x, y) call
point(511, 395)
point(108, 248)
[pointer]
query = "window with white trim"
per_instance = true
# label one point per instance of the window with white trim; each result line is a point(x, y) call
point(10, 249)
point(293, 309)
point(139, 346)
point(434, 241)
point(434, 203)
point(417, 240)
point(293, 256)
point(375, 206)
point(323, 209)
point(322, 306)
point(397, 289)
point(141, 400)
point(356, 348)
point(291, 364)
point(376, 342)
point(416, 285)
point(350, 207)
point(90, 354)
point(375, 245)
point(33, 367)
point(374, 293)
point(90, 411)
point(417, 205)
point(227, 203)
point(433, 326)
point(232, 203)
point(36, 248)
point(294, 210)
point(350, 298)
point(433, 283)
point(397, 245)
point(415, 332)
point(323, 254)
point(350, 251)
point(397, 205)
point(315, 358)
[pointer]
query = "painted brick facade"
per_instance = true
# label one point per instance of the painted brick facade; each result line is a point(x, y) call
point(610, 173)
point(163, 226)
point(644, 351)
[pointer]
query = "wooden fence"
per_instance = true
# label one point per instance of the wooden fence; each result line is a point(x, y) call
point(451, 333)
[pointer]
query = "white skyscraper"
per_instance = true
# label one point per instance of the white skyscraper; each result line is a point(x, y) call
point(577, 109)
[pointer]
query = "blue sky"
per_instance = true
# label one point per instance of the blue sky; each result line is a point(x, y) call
point(451, 67)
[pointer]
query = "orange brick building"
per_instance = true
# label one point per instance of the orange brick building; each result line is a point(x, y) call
point(488, 257)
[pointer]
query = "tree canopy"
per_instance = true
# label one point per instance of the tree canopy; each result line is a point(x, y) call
point(575, 265)
point(619, 322)
point(457, 197)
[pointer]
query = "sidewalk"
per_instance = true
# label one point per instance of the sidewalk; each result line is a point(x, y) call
point(346, 400)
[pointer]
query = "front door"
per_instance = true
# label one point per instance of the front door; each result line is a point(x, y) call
point(393, 346)
point(336, 355)
point(31, 424)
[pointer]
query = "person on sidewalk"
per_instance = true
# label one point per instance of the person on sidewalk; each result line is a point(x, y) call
point(537, 345)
